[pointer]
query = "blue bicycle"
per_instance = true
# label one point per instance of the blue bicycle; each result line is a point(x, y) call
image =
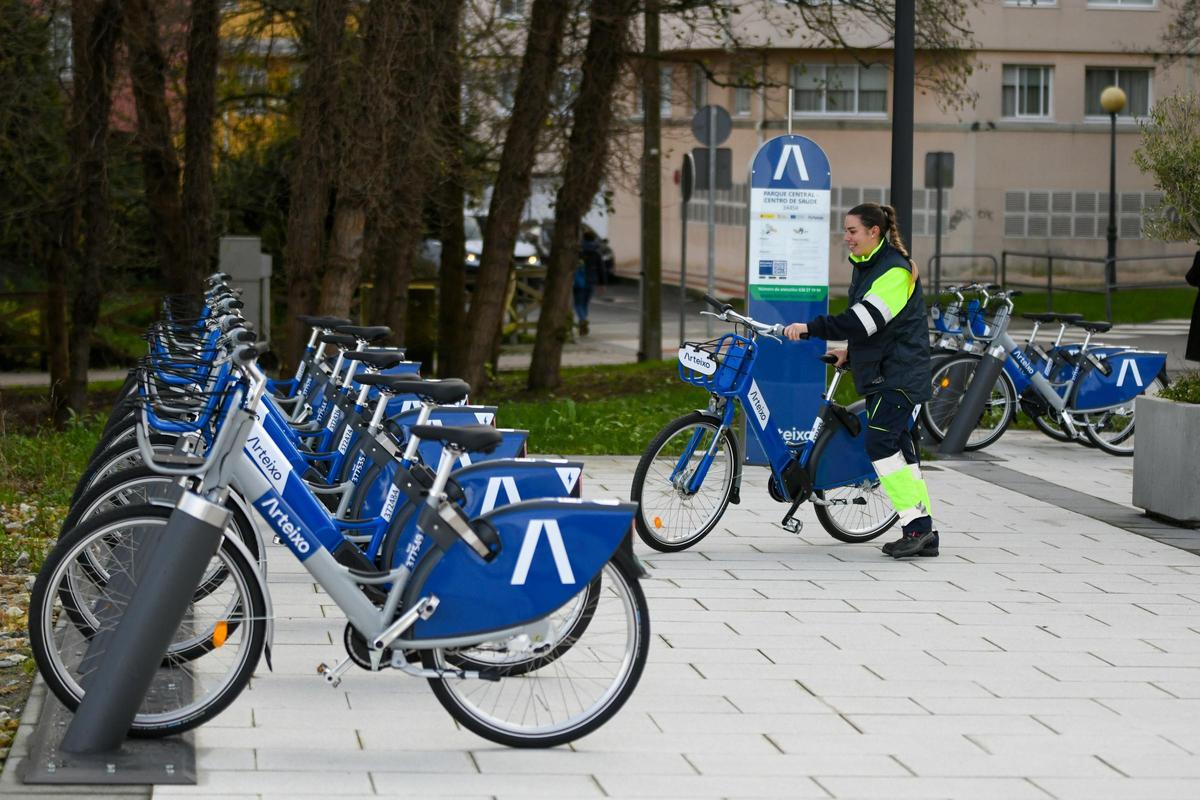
point(692, 470)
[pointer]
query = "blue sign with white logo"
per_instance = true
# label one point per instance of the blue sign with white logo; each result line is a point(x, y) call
point(787, 279)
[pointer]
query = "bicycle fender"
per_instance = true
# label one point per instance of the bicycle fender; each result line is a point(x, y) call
point(1131, 372)
point(839, 457)
point(512, 445)
point(550, 551)
point(843, 417)
point(261, 580)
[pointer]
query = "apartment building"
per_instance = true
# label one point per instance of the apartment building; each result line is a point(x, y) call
point(1031, 154)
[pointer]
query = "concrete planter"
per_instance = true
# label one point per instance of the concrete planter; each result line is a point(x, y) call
point(1166, 460)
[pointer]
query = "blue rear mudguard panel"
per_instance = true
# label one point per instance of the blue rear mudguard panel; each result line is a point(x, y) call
point(843, 458)
point(449, 415)
point(550, 551)
point(1130, 373)
point(489, 484)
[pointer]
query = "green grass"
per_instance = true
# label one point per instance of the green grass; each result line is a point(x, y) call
point(38, 473)
point(1129, 306)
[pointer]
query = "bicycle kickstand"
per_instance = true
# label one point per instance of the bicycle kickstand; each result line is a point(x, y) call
point(789, 521)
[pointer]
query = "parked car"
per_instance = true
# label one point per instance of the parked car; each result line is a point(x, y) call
point(525, 255)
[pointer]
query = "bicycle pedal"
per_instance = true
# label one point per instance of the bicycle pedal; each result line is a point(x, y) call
point(792, 525)
point(333, 675)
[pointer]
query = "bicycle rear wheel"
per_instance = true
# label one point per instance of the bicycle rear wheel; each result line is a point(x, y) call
point(669, 517)
point(207, 663)
point(856, 513)
point(568, 693)
point(1112, 430)
point(951, 379)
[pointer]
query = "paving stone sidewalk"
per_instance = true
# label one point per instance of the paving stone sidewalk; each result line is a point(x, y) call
point(1045, 654)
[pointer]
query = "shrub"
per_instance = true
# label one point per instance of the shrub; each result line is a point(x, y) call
point(1185, 389)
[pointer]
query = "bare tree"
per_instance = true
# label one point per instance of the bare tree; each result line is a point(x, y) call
point(531, 106)
point(411, 155)
point(95, 30)
point(199, 112)
point(587, 150)
point(449, 198)
point(160, 166)
point(312, 168)
point(1182, 35)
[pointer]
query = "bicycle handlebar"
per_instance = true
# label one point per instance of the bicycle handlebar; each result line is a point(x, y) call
point(727, 314)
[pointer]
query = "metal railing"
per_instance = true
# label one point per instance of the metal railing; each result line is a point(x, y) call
point(934, 266)
point(1105, 288)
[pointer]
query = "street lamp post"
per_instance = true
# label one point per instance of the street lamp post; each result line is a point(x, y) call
point(1112, 100)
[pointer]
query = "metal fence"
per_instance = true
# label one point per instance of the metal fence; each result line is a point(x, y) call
point(1102, 286)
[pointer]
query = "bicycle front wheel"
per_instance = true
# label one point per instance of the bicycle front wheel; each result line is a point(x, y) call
point(951, 379)
point(670, 517)
point(211, 656)
point(568, 693)
point(1112, 430)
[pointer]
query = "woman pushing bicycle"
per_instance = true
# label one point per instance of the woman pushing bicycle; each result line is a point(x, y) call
point(888, 354)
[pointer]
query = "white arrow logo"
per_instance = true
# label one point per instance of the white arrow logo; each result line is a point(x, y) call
point(492, 493)
point(1129, 365)
point(557, 548)
point(484, 417)
point(791, 150)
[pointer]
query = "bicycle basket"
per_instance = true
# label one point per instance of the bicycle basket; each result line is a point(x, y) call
point(720, 366)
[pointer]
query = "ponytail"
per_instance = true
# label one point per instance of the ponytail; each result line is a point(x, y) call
point(874, 215)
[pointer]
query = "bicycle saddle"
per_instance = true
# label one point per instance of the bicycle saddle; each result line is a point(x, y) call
point(367, 334)
point(466, 437)
point(450, 390)
point(379, 359)
point(1049, 316)
point(345, 340)
point(1091, 327)
point(827, 358)
point(322, 322)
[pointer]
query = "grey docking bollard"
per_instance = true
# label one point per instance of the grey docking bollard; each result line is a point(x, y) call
point(973, 402)
point(169, 571)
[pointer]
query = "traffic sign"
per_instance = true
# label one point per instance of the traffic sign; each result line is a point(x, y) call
point(715, 132)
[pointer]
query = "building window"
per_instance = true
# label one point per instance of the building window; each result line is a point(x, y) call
point(1027, 92)
point(1135, 82)
point(1121, 3)
point(741, 100)
point(699, 87)
point(512, 8)
point(853, 89)
point(1032, 3)
point(1074, 215)
point(664, 97)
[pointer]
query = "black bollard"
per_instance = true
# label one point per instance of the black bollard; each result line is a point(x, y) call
point(973, 402)
point(129, 657)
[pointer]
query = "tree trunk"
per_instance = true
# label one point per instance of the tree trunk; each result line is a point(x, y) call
point(160, 167)
point(342, 266)
point(651, 338)
point(413, 154)
point(511, 188)
point(587, 151)
point(96, 27)
point(311, 175)
point(58, 360)
point(199, 113)
point(450, 198)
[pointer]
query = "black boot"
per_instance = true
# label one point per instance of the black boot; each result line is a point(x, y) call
point(929, 550)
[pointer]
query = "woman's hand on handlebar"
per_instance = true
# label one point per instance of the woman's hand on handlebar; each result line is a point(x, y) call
point(840, 354)
point(796, 331)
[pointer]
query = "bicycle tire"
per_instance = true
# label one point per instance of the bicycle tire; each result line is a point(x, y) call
point(649, 524)
point(831, 522)
point(621, 621)
point(56, 642)
point(124, 454)
point(1121, 441)
point(950, 378)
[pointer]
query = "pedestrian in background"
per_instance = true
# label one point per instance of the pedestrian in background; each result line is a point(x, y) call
point(588, 275)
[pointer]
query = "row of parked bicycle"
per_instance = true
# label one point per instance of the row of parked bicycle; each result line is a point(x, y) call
point(453, 557)
point(1073, 391)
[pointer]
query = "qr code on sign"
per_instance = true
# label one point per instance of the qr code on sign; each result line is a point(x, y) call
point(772, 269)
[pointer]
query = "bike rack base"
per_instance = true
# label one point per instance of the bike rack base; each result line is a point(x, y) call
point(171, 760)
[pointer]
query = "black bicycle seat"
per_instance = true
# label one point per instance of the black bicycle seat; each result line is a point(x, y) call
point(1049, 316)
point(322, 322)
point(379, 359)
point(1068, 317)
point(1091, 327)
point(450, 390)
point(827, 358)
point(473, 438)
point(367, 334)
point(343, 339)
